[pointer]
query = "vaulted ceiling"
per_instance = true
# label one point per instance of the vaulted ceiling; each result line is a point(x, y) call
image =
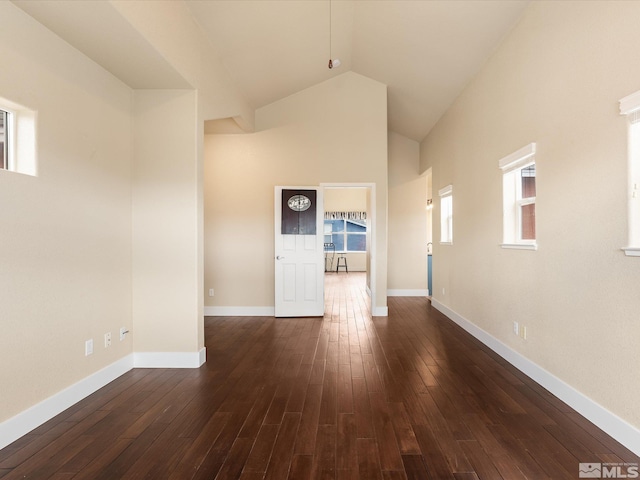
point(425, 51)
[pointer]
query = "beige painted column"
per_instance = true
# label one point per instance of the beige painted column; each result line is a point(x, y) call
point(167, 233)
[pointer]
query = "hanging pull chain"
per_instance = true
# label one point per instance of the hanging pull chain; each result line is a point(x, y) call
point(330, 56)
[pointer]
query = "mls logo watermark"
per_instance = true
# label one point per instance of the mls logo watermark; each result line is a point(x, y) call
point(608, 470)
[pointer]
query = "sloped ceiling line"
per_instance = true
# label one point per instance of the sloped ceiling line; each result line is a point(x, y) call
point(425, 51)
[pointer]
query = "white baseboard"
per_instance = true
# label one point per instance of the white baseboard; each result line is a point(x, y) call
point(21, 424)
point(379, 311)
point(239, 311)
point(407, 293)
point(169, 359)
point(265, 312)
point(24, 422)
point(622, 431)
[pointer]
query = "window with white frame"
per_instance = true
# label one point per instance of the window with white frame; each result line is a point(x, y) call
point(17, 138)
point(4, 139)
point(346, 231)
point(630, 106)
point(446, 214)
point(519, 198)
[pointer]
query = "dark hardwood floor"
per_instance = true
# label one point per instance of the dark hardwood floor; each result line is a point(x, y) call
point(409, 396)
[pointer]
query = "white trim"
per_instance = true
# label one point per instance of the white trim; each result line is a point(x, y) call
point(633, 181)
point(446, 215)
point(445, 191)
point(25, 421)
point(446, 243)
point(22, 423)
point(169, 359)
point(377, 311)
point(632, 251)
point(520, 246)
point(512, 200)
point(408, 292)
point(622, 431)
point(239, 311)
point(9, 138)
point(630, 103)
point(518, 159)
point(373, 247)
point(21, 137)
point(380, 311)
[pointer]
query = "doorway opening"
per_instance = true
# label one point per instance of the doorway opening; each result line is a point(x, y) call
point(349, 238)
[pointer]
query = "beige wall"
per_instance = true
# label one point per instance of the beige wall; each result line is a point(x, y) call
point(407, 268)
point(556, 81)
point(171, 29)
point(332, 132)
point(165, 223)
point(168, 195)
point(65, 233)
point(109, 233)
point(345, 199)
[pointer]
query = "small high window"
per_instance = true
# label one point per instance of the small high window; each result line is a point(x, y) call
point(17, 138)
point(4, 139)
point(446, 215)
point(630, 106)
point(519, 198)
point(346, 231)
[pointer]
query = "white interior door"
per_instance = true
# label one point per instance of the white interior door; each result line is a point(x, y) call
point(299, 252)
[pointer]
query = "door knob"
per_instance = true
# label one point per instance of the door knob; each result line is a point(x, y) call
point(279, 257)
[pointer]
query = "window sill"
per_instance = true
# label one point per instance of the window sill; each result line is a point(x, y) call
point(520, 246)
point(631, 251)
point(446, 243)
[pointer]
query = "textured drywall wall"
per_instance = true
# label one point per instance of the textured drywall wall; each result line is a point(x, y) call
point(333, 132)
point(556, 80)
point(65, 233)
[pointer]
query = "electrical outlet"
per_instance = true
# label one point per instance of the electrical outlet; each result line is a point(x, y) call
point(88, 347)
point(123, 332)
point(211, 292)
point(443, 291)
point(523, 332)
point(516, 328)
point(107, 339)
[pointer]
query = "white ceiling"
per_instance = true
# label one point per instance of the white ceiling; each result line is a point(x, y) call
point(96, 29)
point(425, 51)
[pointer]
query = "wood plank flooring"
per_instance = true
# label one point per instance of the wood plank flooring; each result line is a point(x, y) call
point(409, 396)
